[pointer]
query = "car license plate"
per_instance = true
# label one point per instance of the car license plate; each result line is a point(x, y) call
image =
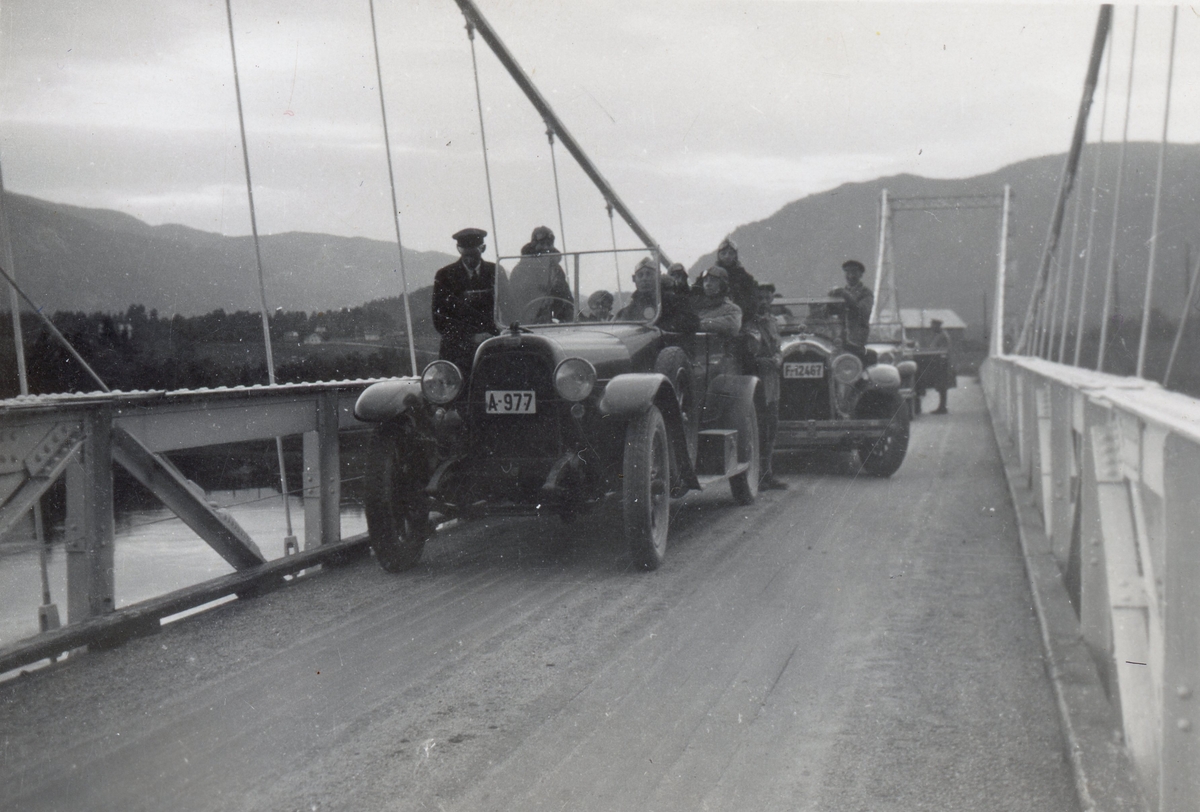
point(809, 370)
point(518, 401)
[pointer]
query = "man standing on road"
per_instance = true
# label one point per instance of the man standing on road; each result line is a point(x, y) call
point(945, 381)
point(464, 301)
point(769, 362)
point(859, 301)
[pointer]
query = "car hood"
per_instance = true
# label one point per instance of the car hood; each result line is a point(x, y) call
point(610, 348)
point(809, 342)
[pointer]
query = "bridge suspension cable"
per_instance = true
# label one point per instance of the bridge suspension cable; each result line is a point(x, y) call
point(487, 172)
point(290, 539)
point(476, 20)
point(1087, 258)
point(1071, 163)
point(1110, 271)
point(387, 146)
point(1158, 182)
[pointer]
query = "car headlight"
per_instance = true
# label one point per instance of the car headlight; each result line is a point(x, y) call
point(441, 382)
point(847, 368)
point(574, 379)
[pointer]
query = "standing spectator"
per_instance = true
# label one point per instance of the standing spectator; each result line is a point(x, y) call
point(945, 381)
point(464, 300)
point(859, 302)
point(769, 361)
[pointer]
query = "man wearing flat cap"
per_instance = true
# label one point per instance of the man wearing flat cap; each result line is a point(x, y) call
point(464, 300)
point(859, 301)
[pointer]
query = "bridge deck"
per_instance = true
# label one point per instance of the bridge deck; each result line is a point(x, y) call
point(848, 644)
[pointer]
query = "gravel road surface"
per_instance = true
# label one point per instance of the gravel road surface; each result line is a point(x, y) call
point(849, 644)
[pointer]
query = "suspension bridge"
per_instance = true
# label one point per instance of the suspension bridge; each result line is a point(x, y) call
point(1009, 622)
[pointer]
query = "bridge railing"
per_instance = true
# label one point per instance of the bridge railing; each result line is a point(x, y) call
point(80, 437)
point(1114, 467)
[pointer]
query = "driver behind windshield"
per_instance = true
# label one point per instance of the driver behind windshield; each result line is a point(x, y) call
point(538, 289)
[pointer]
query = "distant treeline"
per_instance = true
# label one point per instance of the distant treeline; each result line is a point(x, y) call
point(140, 349)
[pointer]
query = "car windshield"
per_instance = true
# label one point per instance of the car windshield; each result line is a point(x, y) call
point(886, 333)
point(821, 316)
point(582, 286)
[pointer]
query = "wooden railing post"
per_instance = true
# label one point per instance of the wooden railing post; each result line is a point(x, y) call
point(89, 536)
point(322, 481)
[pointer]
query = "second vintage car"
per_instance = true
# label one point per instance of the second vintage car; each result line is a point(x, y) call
point(833, 397)
point(562, 409)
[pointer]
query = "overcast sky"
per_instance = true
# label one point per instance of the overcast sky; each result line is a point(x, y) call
point(704, 114)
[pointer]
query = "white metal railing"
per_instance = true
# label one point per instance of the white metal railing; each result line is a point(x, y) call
point(80, 437)
point(1114, 466)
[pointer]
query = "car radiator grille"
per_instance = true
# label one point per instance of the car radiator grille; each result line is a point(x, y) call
point(804, 398)
point(515, 435)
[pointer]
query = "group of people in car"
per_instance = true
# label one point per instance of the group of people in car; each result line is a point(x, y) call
point(725, 300)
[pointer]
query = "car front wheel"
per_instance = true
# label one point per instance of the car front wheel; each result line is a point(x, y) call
point(645, 494)
point(397, 517)
point(883, 457)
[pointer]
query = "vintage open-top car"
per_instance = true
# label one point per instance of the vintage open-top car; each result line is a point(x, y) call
point(837, 397)
point(561, 410)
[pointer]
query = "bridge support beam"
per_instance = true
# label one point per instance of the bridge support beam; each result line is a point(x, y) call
point(322, 480)
point(165, 481)
point(89, 536)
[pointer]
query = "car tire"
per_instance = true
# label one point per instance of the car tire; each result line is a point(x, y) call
point(397, 518)
point(675, 364)
point(884, 457)
point(645, 491)
point(744, 418)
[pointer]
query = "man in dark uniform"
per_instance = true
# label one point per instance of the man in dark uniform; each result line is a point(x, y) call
point(769, 363)
point(940, 340)
point(859, 301)
point(464, 298)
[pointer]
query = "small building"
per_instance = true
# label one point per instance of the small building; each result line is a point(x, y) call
point(313, 338)
point(918, 324)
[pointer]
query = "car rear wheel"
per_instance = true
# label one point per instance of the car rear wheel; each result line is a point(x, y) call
point(883, 457)
point(397, 517)
point(745, 419)
point(645, 495)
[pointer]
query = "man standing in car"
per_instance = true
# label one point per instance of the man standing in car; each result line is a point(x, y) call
point(859, 301)
point(464, 301)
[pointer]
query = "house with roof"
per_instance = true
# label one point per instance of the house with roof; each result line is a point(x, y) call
point(918, 323)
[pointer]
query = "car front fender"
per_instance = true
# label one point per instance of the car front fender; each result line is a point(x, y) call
point(631, 394)
point(385, 400)
point(884, 376)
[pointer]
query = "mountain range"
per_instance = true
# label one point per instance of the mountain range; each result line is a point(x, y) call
point(948, 259)
point(80, 259)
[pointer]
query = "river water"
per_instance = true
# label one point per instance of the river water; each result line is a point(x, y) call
point(154, 553)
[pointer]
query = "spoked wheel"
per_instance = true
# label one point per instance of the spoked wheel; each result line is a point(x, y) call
point(883, 457)
point(745, 485)
point(397, 516)
point(645, 495)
